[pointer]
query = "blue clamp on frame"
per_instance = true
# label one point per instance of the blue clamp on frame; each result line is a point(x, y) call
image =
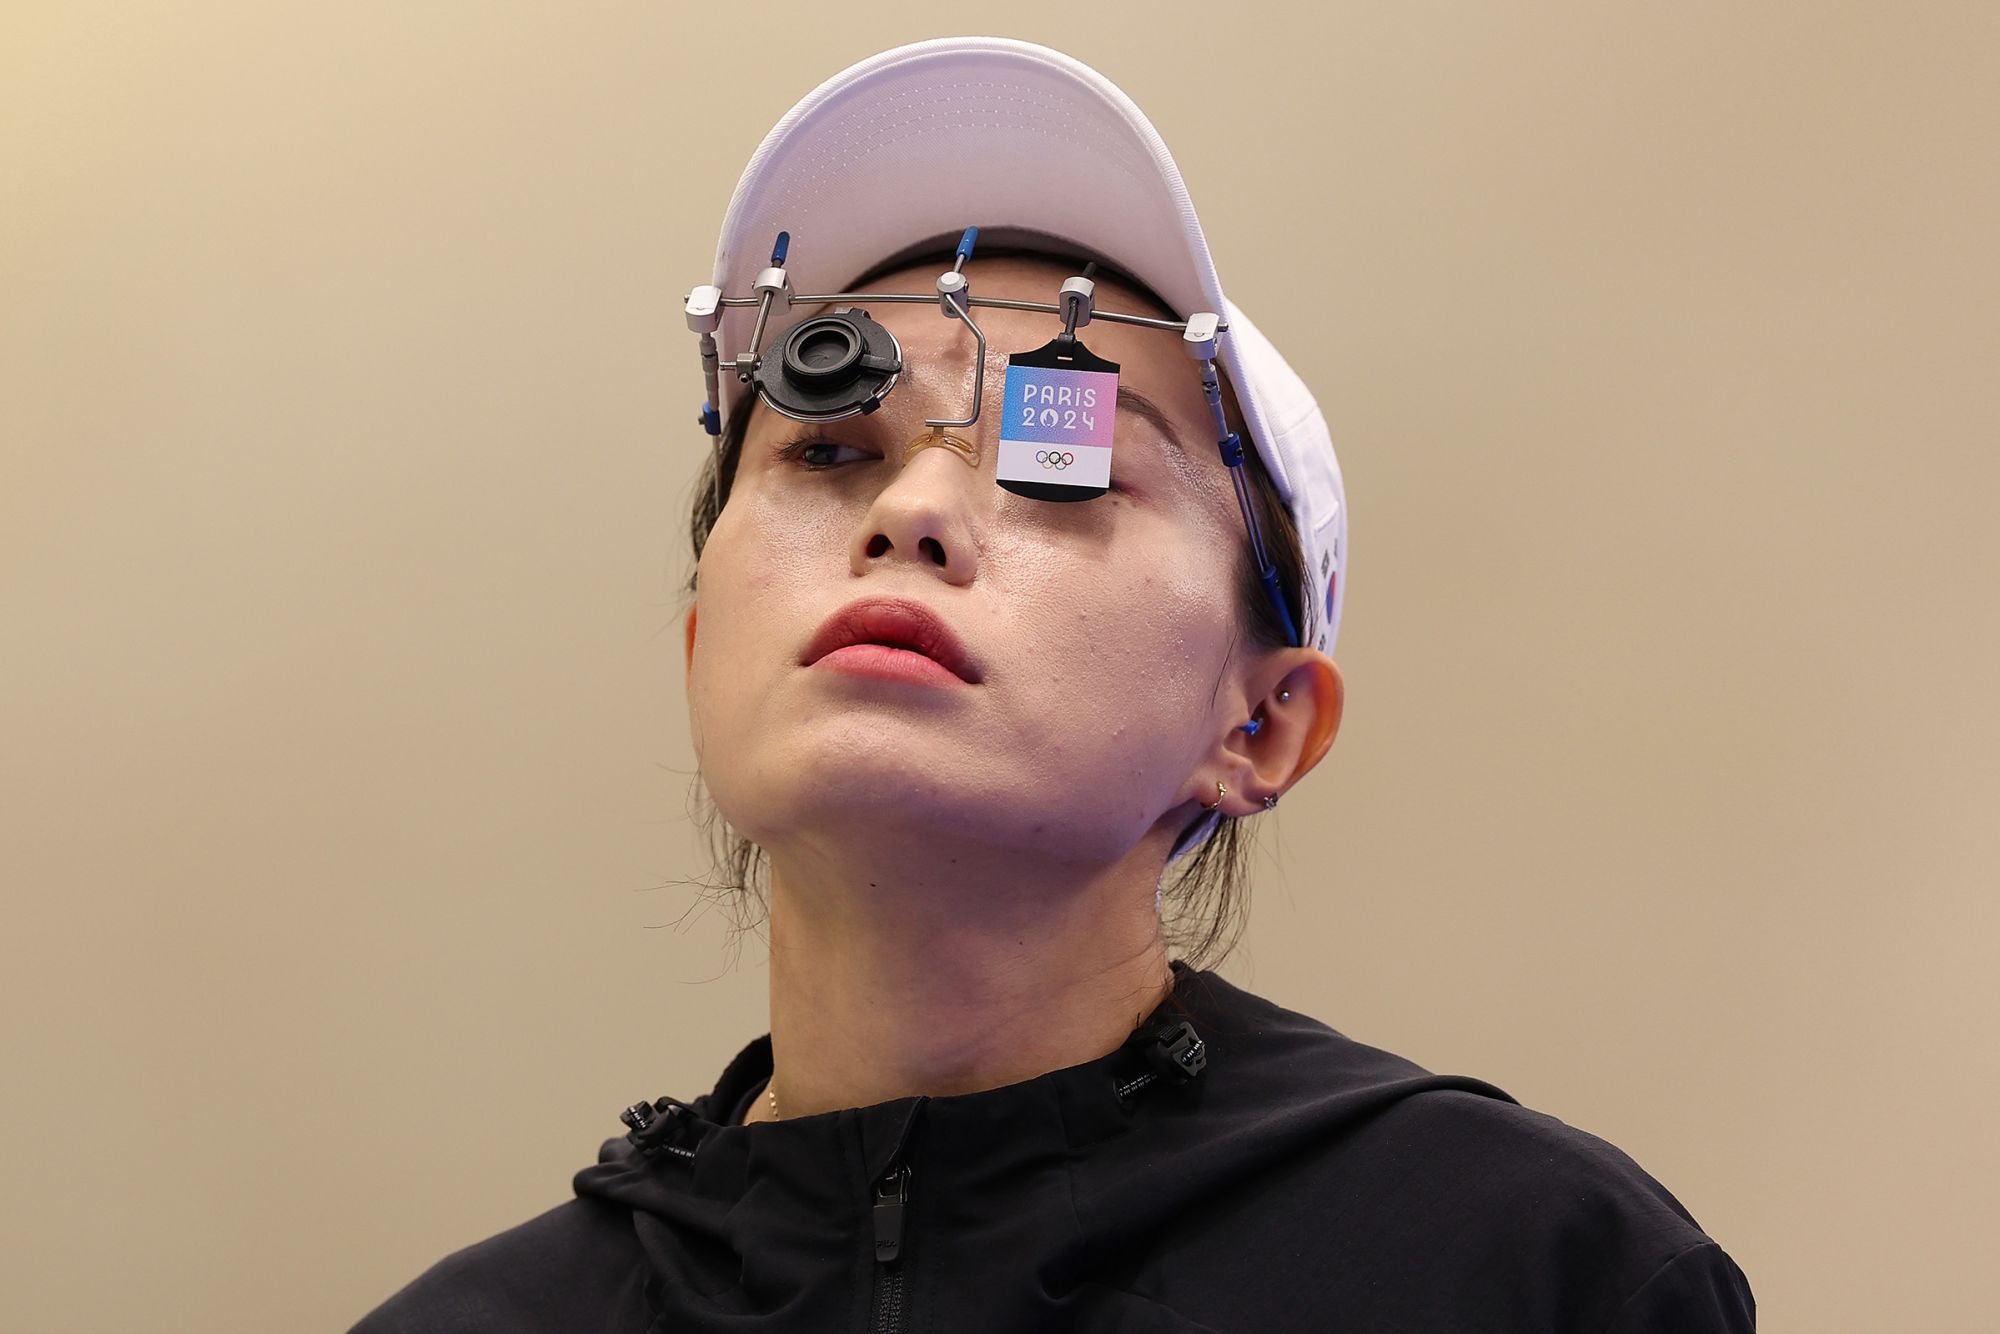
point(1199, 340)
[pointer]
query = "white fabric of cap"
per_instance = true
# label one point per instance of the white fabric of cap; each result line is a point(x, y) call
point(953, 132)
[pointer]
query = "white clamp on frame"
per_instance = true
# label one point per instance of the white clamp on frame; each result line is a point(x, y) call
point(1078, 299)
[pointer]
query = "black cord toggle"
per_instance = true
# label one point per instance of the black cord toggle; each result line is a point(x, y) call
point(1168, 1054)
point(1177, 1052)
point(656, 1125)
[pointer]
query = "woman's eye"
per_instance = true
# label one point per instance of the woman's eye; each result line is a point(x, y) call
point(817, 454)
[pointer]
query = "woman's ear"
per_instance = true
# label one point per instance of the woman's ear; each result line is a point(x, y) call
point(1297, 716)
point(1325, 690)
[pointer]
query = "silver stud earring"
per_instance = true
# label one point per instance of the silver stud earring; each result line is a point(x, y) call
point(1271, 802)
point(1284, 695)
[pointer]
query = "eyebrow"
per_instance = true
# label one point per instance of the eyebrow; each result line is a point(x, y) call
point(1142, 406)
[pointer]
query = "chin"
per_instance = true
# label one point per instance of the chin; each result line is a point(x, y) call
point(895, 807)
point(904, 775)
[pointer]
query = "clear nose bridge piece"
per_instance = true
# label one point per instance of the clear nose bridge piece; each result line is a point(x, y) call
point(840, 364)
point(937, 435)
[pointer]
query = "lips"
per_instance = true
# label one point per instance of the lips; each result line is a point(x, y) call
point(898, 623)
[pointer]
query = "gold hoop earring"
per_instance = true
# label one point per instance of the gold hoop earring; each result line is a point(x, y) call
point(1220, 792)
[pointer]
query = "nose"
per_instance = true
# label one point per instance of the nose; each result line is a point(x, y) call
point(924, 515)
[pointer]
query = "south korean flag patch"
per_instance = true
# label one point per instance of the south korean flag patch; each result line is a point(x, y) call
point(1055, 432)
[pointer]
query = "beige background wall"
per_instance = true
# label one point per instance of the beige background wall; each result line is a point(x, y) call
point(347, 420)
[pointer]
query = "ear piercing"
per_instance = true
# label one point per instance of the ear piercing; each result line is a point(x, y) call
point(1250, 728)
point(1222, 790)
point(1256, 724)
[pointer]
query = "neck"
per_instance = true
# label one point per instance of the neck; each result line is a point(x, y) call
point(891, 977)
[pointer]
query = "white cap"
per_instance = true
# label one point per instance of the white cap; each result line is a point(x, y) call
point(927, 139)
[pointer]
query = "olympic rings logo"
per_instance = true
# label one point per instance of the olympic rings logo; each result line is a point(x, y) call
point(1054, 458)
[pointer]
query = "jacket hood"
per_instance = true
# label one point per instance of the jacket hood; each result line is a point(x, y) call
point(1055, 1177)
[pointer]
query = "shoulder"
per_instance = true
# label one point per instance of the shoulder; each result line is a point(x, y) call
point(1699, 1288)
point(1561, 1221)
point(577, 1258)
point(1412, 1200)
point(1535, 1166)
point(1384, 1117)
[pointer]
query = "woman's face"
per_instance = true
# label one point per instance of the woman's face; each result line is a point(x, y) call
point(1102, 631)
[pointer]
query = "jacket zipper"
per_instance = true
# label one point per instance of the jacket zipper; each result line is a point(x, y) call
point(890, 1208)
point(892, 1199)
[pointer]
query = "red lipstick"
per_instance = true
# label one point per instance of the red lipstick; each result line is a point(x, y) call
point(894, 638)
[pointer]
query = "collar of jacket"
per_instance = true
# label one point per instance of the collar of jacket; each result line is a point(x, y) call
point(1048, 1178)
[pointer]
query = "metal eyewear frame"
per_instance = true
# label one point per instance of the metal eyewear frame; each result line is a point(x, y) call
point(836, 366)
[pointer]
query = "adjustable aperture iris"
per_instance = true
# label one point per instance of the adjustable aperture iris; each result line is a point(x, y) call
point(831, 366)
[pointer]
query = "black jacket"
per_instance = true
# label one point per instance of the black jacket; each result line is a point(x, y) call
point(1235, 1166)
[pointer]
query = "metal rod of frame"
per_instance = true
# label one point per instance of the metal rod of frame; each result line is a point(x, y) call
point(1002, 303)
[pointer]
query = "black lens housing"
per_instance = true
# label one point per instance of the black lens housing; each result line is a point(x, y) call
point(830, 366)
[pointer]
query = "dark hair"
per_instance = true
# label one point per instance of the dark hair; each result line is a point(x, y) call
point(1201, 917)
